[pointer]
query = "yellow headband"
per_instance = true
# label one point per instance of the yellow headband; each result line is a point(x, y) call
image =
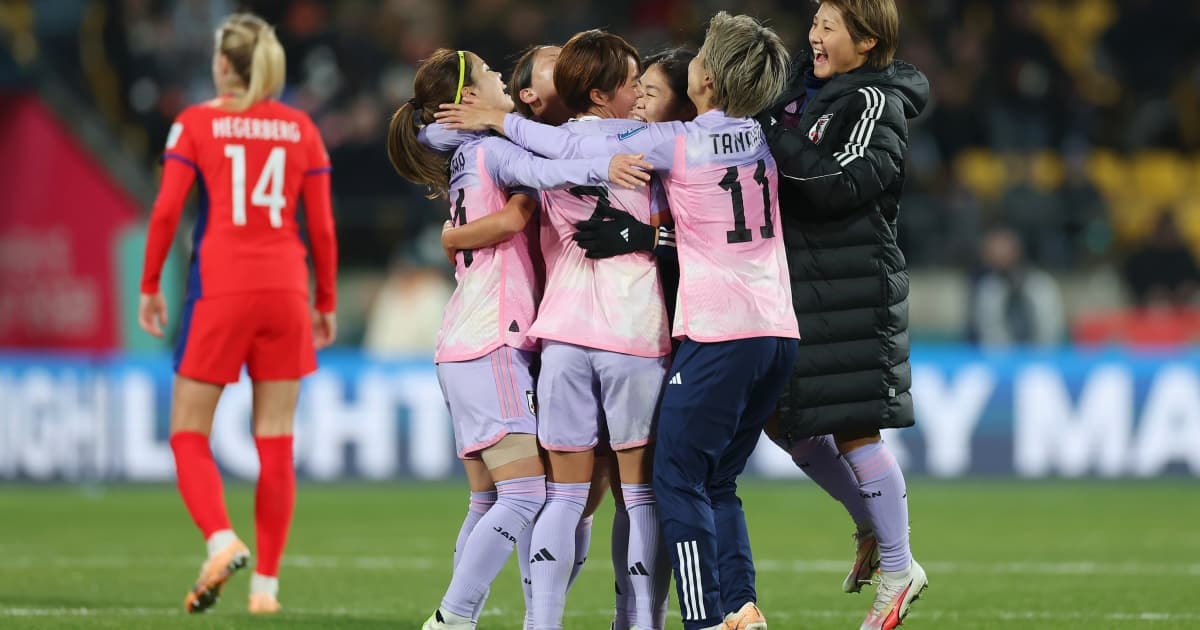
point(462, 76)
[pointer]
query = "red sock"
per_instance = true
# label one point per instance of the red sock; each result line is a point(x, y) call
point(274, 499)
point(199, 482)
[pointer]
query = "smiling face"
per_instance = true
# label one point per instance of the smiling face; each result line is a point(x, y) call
point(621, 101)
point(487, 86)
point(656, 102)
point(834, 50)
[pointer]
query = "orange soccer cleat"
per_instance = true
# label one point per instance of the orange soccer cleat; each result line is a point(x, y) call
point(214, 573)
point(749, 617)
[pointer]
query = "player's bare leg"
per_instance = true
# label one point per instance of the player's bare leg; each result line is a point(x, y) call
point(193, 404)
point(274, 412)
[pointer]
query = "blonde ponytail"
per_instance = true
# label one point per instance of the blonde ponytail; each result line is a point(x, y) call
point(250, 45)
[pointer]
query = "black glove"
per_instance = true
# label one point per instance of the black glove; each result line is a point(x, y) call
point(612, 232)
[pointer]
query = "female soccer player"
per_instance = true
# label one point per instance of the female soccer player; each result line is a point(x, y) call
point(840, 141)
point(247, 296)
point(484, 336)
point(534, 96)
point(734, 310)
point(605, 340)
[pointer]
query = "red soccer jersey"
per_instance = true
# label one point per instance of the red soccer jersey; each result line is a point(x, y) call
point(253, 167)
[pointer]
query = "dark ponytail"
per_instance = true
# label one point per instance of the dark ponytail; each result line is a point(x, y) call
point(436, 82)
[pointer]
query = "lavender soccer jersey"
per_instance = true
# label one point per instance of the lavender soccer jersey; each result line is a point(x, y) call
point(498, 287)
point(721, 184)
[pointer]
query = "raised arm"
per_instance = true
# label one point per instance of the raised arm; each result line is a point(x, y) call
point(511, 166)
point(860, 167)
point(655, 141)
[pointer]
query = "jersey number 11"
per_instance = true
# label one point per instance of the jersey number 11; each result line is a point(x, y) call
point(731, 182)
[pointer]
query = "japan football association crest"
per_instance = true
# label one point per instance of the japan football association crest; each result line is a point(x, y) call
point(818, 129)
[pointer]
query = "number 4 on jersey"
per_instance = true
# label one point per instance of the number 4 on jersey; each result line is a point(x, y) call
point(271, 177)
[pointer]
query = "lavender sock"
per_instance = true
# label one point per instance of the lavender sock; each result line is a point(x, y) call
point(881, 483)
point(553, 551)
point(491, 542)
point(480, 503)
point(523, 542)
point(818, 457)
point(583, 542)
point(649, 571)
point(625, 613)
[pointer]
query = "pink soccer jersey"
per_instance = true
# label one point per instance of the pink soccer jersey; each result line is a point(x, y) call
point(498, 288)
point(721, 184)
point(614, 304)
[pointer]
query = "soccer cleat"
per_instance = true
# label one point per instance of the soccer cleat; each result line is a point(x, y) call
point(749, 617)
point(893, 596)
point(866, 561)
point(263, 604)
point(213, 574)
point(446, 621)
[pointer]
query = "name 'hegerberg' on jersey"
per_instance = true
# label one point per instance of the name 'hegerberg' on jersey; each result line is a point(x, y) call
point(243, 128)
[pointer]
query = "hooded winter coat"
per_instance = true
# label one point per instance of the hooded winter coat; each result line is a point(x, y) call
point(840, 150)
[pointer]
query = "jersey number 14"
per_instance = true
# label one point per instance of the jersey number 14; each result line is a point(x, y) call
point(267, 193)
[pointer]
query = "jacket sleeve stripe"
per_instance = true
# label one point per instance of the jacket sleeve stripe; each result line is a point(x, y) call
point(860, 136)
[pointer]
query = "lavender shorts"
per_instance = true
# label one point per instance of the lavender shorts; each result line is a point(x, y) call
point(488, 398)
point(584, 393)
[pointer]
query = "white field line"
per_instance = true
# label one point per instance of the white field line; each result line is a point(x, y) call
point(915, 615)
point(418, 563)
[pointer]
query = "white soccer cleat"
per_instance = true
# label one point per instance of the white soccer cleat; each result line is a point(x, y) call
point(866, 562)
point(893, 596)
point(440, 620)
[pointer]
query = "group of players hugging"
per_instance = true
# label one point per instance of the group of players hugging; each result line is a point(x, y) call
point(657, 259)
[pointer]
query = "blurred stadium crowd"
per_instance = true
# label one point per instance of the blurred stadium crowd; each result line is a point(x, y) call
point(1054, 183)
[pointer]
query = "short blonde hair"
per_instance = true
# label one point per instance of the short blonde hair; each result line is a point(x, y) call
point(250, 45)
point(748, 61)
point(865, 19)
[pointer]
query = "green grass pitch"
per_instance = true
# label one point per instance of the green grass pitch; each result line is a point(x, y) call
point(1000, 554)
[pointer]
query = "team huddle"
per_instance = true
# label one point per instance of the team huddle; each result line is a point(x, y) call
point(657, 259)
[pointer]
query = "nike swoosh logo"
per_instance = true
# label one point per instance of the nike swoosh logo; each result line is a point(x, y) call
point(894, 617)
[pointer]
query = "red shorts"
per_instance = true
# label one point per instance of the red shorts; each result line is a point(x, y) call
point(269, 332)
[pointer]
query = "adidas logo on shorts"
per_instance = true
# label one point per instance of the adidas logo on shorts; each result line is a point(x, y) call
point(676, 380)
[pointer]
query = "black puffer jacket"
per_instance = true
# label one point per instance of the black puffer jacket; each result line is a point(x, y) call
point(841, 171)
